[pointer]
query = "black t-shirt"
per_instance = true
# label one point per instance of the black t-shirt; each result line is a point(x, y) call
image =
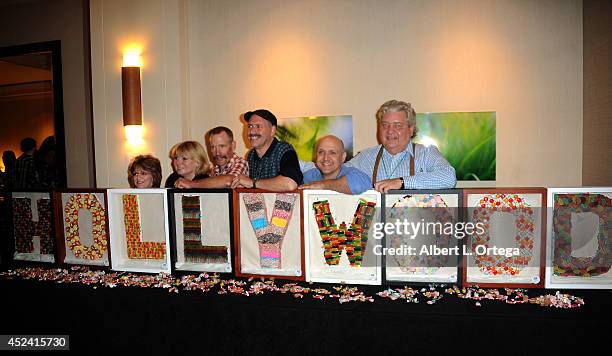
point(174, 177)
point(290, 167)
point(279, 159)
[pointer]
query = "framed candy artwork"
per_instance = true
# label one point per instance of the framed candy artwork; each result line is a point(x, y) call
point(33, 226)
point(268, 234)
point(202, 227)
point(579, 253)
point(423, 233)
point(339, 233)
point(138, 229)
point(507, 245)
point(82, 227)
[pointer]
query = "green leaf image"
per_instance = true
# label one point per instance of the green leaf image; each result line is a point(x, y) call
point(467, 141)
point(303, 132)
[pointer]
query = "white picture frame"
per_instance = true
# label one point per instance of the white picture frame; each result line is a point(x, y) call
point(339, 269)
point(583, 230)
point(153, 218)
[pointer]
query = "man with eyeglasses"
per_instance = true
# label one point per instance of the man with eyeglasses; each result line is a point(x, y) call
point(399, 163)
point(273, 164)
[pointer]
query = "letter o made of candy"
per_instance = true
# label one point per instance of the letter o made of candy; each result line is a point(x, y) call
point(90, 203)
point(524, 220)
point(421, 264)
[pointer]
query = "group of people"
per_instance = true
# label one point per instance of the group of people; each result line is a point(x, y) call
point(35, 167)
point(271, 164)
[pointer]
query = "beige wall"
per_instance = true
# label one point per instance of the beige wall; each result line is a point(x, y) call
point(32, 21)
point(597, 149)
point(206, 62)
point(152, 25)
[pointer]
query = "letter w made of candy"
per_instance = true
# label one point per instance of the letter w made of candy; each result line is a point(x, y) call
point(352, 239)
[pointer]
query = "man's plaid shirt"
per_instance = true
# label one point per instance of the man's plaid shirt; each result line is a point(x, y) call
point(236, 166)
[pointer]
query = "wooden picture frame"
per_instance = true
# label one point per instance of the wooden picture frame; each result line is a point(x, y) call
point(202, 219)
point(505, 257)
point(268, 234)
point(334, 225)
point(143, 245)
point(579, 240)
point(423, 253)
point(82, 242)
point(25, 216)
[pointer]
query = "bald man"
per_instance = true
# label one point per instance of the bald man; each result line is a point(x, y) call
point(331, 173)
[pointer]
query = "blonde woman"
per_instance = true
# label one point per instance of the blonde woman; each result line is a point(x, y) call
point(189, 162)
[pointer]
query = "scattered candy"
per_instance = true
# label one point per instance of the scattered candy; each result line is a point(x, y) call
point(406, 293)
point(518, 296)
point(205, 282)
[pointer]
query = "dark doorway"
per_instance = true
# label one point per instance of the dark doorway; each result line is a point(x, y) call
point(31, 105)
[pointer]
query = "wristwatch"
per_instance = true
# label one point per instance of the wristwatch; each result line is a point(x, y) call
point(402, 179)
point(254, 183)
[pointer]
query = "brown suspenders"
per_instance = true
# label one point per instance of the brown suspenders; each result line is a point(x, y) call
point(376, 163)
point(412, 159)
point(379, 156)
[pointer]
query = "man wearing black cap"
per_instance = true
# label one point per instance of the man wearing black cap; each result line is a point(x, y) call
point(273, 164)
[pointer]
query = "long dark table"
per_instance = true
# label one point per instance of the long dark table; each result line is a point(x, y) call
point(155, 321)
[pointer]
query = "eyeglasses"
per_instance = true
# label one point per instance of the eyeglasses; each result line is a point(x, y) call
point(395, 125)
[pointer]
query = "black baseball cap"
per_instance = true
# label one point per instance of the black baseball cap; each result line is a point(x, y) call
point(263, 113)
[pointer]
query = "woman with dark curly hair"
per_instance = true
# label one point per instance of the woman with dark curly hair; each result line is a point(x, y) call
point(144, 172)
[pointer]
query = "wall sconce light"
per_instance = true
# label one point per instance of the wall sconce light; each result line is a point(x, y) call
point(131, 94)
